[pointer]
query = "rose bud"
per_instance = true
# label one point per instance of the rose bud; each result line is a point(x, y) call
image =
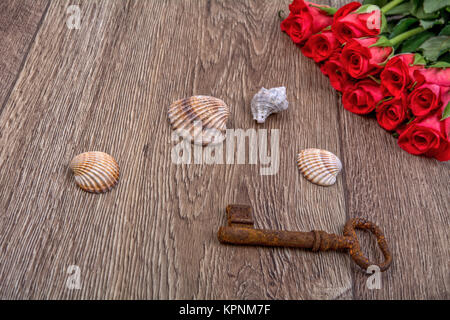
point(427, 136)
point(350, 23)
point(361, 59)
point(298, 6)
point(304, 21)
point(362, 97)
point(333, 68)
point(298, 27)
point(397, 75)
point(424, 99)
point(439, 76)
point(391, 113)
point(320, 46)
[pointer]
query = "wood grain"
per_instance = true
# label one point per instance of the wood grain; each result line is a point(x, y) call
point(19, 23)
point(107, 87)
point(409, 197)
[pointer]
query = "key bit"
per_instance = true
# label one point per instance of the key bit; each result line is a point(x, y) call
point(240, 231)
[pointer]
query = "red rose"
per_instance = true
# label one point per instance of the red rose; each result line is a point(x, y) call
point(320, 46)
point(304, 21)
point(424, 99)
point(345, 10)
point(427, 136)
point(397, 75)
point(361, 60)
point(391, 113)
point(297, 6)
point(333, 68)
point(348, 24)
point(298, 27)
point(437, 76)
point(445, 97)
point(321, 18)
point(445, 100)
point(362, 97)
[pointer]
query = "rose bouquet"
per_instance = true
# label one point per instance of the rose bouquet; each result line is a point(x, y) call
point(388, 58)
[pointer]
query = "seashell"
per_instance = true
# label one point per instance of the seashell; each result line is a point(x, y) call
point(95, 171)
point(200, 119)
point(319, 166)
point(266, 102)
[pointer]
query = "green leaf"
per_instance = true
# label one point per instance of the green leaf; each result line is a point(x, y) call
point(367, 8)
point(435, 46)
point(419, 60)
point(418, 11)
point(445, 13)
point(395, 135)
point(445, 31)
point(390, 26)
point(382, 42)
point(420, 14)
point(446, 112)
point(384, 24)
point(445, 57)
point(428, 24)
point(415, 42)
point(434, 5)
point(440, 64)
point(329, 10)
point(415, 4)
point(402, 26)
point(379, 3)
point(401, 9)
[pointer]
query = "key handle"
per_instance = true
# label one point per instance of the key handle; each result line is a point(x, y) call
point(355, 249)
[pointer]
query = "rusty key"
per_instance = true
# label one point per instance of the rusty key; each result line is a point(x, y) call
point(240, 231)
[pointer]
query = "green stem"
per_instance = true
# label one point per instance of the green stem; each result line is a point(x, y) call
point(391, 5)
point(408, 34)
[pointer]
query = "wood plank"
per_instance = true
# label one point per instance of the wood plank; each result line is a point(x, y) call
point(106, 87)
point(408, 196)
point(19, 23)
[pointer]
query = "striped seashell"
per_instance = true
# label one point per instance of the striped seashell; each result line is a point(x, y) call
point(95, 171)
point(200, 119)
point(319, 166)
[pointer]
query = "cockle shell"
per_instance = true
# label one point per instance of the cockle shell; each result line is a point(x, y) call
point(200, 119)
point(319, 166)
point(266, 102)
point(95, 172)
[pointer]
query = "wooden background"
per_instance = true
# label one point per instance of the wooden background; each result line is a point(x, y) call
point(107, 87)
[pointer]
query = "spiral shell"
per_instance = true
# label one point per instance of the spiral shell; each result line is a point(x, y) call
point(95, 171)
point(319, 166)
point(200, 119)
point(268, 101)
